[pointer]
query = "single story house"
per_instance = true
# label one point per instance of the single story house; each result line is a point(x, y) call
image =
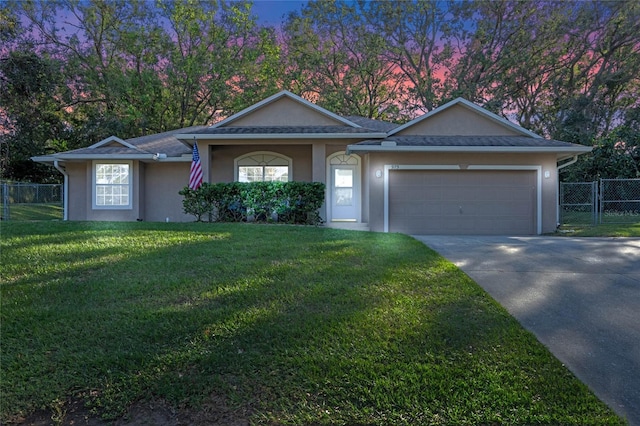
point(458, 169)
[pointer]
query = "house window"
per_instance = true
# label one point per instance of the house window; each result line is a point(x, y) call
point(112, 185)
point(263, 167)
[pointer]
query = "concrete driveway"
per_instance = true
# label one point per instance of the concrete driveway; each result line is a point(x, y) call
point(579, 296)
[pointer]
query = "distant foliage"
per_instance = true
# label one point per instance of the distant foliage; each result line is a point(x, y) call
point(75, 72)
point(615, 156)
point(285, 202)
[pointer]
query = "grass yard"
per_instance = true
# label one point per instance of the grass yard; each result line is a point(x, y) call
point(276, 324)
point(601, 230)
point(34, 211)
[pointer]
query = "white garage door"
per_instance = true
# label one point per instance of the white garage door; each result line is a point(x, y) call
point(462, 202)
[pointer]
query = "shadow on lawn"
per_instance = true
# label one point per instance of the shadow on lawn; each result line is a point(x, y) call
point(140, 333)
point(314, 325)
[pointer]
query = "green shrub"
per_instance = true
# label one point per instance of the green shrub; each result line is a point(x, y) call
point(302, 200)
point(195, 203)
point(288, 202)
point(226, 201)
point(262, 200)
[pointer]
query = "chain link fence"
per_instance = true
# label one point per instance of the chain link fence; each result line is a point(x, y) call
point(606, 201)
point(578, 201)
point(619, 200)
point(31, 201)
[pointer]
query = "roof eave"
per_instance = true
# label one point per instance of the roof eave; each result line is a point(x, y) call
point(470, 105)
point(185, 158)
point(70, 157)
point(275, 97)
point(113, 139)
point(44, 159)
point(472, 149)
point(186, 138)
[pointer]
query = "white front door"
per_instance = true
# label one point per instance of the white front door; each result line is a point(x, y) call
point(345, 193)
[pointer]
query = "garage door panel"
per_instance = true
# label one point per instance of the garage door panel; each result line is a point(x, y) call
point(496, 210)
point(477, 210)
point(519, 195)
point(462, 202)
point(421, 193)
point(458, 194)
point(411, 180)
point(422, 209)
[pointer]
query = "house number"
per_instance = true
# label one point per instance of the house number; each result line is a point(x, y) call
point(395, 166)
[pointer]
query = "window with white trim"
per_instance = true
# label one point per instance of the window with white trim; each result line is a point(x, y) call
point(263, 167)
point(112, 185)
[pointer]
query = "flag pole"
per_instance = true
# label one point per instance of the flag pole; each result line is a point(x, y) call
point(195, 173)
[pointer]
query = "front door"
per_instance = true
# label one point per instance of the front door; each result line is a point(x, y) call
point(344, 193)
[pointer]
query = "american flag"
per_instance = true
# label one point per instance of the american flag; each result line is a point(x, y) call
point(195, 176)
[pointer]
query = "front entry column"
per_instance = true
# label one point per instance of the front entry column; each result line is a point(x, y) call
point(319, 171)
point(205, 161)
point(318, 164)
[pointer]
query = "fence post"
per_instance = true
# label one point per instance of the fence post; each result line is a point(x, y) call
point(5, 201)
point(601, 201)
point(596, 202)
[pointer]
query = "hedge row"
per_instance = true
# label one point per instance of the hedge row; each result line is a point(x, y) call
point(288, 202)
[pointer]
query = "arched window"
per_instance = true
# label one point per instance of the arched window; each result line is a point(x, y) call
point(263, 166)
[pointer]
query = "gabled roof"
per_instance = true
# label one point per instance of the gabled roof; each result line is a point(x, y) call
point(166, 142)
point(369, 123)
point(280, 132)
point(523, 141)
point(111, 140)
point(368, 136)
point(140, 148)
point(331, 126)
point(280, 95)
point(469, 144)
point(469, 141)
point(470, 105)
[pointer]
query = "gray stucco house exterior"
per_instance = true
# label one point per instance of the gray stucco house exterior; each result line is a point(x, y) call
point(458, 169)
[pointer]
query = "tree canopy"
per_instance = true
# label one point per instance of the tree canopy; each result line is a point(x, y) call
point(74, 72)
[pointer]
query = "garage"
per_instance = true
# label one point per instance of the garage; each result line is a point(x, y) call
point(464, 202)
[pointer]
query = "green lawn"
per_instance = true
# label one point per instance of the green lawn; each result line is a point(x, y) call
point(601, 230)
point(34, 211)
point(288, 325)
point(581, 224)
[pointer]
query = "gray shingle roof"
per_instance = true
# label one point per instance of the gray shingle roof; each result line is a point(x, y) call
point(261, 130)
point(106, 150)
point(377, 125)
point(469, 141)
point(165, 142)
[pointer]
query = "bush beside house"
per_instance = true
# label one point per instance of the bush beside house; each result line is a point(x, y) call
point(287, 202)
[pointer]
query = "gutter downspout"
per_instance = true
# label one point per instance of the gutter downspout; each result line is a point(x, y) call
point(568, 163)
point(65, 192)
point(560, 167)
